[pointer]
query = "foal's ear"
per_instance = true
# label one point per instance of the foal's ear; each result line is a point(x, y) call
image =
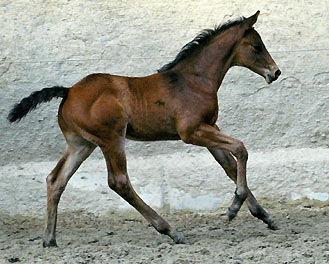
point(250, 21)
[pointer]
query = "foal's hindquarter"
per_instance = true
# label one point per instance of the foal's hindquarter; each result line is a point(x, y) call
point(180, 102)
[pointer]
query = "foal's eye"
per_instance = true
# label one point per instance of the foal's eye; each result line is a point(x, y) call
point(257, 47)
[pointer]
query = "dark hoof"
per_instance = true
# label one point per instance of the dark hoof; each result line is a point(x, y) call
point(231, 214)
point(48, 244)
point(179, 239)
point(273, 226)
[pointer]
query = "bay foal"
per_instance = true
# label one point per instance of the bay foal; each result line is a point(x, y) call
point(177, 103)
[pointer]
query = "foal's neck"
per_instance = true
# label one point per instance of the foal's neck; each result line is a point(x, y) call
point(211, 63)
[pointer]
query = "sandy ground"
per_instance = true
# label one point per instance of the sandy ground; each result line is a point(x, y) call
point(92, 230)
point(125, 237)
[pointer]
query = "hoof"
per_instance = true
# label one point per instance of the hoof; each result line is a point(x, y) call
point(273, 226)
point(179, 239)
point(231, 214)
point(48, 244)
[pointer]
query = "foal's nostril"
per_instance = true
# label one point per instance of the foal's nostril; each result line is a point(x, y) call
point(277, 74)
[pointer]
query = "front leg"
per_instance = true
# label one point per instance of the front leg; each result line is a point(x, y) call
point(211, 137)
point(226, 160)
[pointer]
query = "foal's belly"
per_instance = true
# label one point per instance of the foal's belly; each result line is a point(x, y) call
point(150, 136)
point(152, 128)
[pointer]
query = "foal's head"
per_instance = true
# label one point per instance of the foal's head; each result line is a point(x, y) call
point(251, 52)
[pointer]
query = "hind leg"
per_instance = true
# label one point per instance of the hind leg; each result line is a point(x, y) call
point(78, 149)
point(225, 159)
point(118, 181)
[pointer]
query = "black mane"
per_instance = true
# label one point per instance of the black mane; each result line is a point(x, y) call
point(200, 40)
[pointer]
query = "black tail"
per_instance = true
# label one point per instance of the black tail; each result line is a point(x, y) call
point(29, 103)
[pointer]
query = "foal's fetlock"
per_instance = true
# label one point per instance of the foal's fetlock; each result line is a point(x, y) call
point(239, 198)
point(241, 194)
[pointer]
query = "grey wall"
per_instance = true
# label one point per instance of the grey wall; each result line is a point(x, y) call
point(46, 43)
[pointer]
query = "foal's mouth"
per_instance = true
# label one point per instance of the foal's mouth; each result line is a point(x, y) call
point(271, 77)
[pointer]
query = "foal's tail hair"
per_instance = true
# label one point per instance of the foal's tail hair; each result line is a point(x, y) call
point(29, 103)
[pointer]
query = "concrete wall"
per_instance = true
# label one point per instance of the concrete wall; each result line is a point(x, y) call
point(46, 43)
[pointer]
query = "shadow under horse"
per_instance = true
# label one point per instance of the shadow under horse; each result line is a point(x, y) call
point(177, 103)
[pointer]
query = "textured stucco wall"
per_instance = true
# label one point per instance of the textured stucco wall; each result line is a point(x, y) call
point(284, 125)
point(46, 43)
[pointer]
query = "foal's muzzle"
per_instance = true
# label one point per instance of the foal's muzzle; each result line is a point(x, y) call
point(272, 74)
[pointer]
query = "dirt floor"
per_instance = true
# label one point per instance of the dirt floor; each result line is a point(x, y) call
point(125, 237)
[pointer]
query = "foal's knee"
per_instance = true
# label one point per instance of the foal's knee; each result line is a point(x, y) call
point(240, 151)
